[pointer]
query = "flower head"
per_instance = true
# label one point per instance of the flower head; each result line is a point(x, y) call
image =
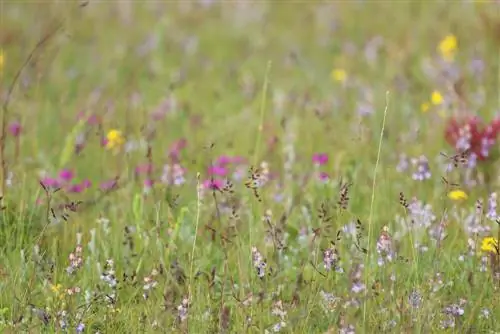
point(490, 245)
point(2, 60)
point(114, 139)
point(457, 195)
point(424, 107)
point(339, 74)
point(448, 47)
point(471, 134)
point(436, 98)
point(320, 158)
point(14, 127)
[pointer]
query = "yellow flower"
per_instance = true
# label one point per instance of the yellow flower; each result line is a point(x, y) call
point(339, 74)
point(490, 244)
point(424, 107)
point(457, 195)
point(2, 60)
point(114, 139)
point(436, 98)
point(56, 289)
point(448, 47)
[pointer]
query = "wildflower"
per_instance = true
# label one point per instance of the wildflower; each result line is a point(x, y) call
point(490, 245)
point(436, 98)
point(424, 107)
point(457, 195)
point(423, 171)
point(114, 139)
point(415, 299)
point(331, 259)
point(2, 60)
point(213, 184)
point(66, 175)
point(258, 262)
point(403, 163)
point(384, 246)
point(339, 74)
point(217, 170)
point(492, 207)
point(183, 309)
point(80, 328)
point(15, 128)
point(320, 159)
point(448, 47)
point(472, 135)
point(108, 185)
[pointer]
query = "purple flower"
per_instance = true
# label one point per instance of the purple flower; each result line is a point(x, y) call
point(323, 177)
point(15, 128)
point(320, 158)
point(423, 171)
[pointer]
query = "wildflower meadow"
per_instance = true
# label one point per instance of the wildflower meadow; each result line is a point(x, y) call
point(238, 166)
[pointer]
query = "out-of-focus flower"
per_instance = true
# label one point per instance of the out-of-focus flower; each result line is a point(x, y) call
point(339, 74)
point(436, 98)
point(471, 134)
point(14, 127)
point(424, 107)
point(2, 60)
point(66, 175)
point(114, 139)
point(320, 158)
point(457, 195)
point(448, 47)
point(490, 245)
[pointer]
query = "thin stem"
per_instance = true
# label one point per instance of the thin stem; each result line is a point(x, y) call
point(367, 270)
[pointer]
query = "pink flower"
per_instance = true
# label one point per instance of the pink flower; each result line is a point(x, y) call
point(15, 129)
point(320, 158)
point(215, 184)
point(323, 177)
point(146, 168)
point(108, 185)
point(49, 182)
point(217, 170)
point(66, 175)
point(223, 160)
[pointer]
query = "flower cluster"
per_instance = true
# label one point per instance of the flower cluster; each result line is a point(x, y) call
point(470, 134)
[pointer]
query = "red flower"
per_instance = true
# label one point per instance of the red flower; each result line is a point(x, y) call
point(471, 134)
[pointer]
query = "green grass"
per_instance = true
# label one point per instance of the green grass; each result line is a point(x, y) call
point(253, 80)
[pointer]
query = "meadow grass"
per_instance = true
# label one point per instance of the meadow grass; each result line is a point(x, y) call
point(249, 166)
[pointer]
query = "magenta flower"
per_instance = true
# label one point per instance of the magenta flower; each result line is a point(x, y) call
point(15, 128)
point(76, 188)
point(320, 158)
point(223, 160)
point(215, 184)
point(49, 182)
point(217, 170)
point(66, 175)
point(147, 185)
